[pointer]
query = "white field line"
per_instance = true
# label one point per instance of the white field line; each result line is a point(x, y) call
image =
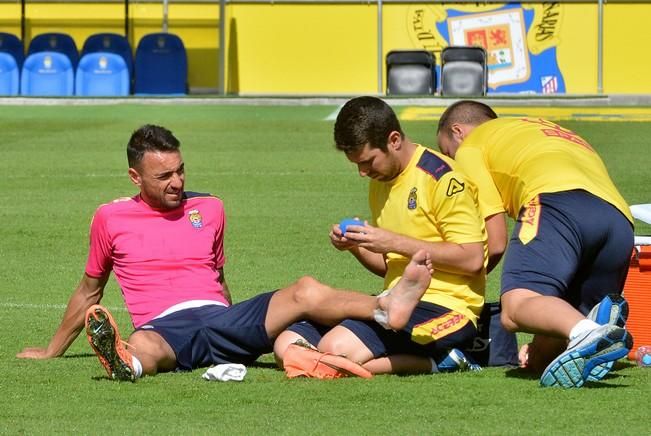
point(333, 115)
point(194, 174)
point(30, 306)
point(252, 101)
point(503, 99)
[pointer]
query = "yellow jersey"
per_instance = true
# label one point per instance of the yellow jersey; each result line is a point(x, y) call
point(431, 201)
point(513, 160)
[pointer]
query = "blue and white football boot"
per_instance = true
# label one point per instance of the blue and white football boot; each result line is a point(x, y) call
point(613, 309)
point(455, 360)
point(573, 367)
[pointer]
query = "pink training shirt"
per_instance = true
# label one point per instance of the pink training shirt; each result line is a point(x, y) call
point(160, 258)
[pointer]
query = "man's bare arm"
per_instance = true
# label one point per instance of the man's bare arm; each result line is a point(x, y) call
point(466, 259)
point(497, 239)
point(225, 289)
point(89, 291)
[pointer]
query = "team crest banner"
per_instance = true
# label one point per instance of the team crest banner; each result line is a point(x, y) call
point(520, 41)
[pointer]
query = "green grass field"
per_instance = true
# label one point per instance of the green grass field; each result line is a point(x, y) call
point(283, 185)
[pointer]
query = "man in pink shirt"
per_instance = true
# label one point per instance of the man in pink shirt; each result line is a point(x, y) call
point(165, 247)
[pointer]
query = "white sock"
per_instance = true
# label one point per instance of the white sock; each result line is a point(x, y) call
point(381, 316)
point(137, 366)
point(384, 293)
point(581, 327)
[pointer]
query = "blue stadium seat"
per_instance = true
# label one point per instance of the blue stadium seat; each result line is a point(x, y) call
point(11, 44)
point(9, 75)
point(111, 43)
point(102, 74)
point(58, 42)
point(47, 74)
point(161, 65)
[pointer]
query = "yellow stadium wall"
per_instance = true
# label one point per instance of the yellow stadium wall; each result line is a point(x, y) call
point(626, 48)
point(332, 48)
point(304, 49)
point(10, 18)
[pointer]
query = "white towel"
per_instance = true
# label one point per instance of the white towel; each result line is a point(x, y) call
point(642, 212)
point(225, 372)
point(642, 240)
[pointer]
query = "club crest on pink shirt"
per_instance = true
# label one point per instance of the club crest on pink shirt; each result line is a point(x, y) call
point(195, 218)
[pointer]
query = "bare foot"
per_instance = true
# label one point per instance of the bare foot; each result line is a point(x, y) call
point(400, 302)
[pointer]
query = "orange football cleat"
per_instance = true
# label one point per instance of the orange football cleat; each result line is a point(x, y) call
point(300, 361)
point(104, 338)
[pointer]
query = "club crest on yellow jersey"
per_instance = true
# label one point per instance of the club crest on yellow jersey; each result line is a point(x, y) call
point(412, 200)
point(195, 218)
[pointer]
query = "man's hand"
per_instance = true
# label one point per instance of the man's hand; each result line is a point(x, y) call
point(373, 239)
point(35, 353)
point(374, 262)
point(88, 292)
point(338, 240)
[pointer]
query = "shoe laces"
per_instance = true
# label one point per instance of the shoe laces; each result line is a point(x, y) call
point(127, 345)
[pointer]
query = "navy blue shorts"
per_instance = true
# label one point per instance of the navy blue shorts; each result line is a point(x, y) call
point(431, 328)
point(572, 245)
point(214, 334)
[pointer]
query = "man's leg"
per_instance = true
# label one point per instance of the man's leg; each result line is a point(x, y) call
point(310, 299)
point(284, 340)
point(527, 311)
point(414, 350)
point(395, 364)
point(550, 318)
point(535, 356)
point(153, 352)
point(400, 364)
point(340, 340)
point(590, 345)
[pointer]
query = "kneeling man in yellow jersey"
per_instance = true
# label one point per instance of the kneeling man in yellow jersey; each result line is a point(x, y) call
point(571, 244)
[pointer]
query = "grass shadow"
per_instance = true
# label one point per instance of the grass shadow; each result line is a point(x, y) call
point(264, 365)
point(79, 355)
point(524, 374)
point(520, 373)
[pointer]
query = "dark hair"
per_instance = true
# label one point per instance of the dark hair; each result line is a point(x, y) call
point(365, 120)
point(150, 138)
point(465, 112)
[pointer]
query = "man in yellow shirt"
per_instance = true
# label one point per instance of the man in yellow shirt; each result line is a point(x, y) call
point(571, 243)
point(418, 200)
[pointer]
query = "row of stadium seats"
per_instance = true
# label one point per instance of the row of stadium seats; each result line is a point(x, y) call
point(463, 72)
point(107, 67)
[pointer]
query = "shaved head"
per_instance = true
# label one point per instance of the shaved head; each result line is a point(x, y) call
point(458, 120)
point(468, 112)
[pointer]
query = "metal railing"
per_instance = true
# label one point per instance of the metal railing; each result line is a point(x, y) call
point(380, 3)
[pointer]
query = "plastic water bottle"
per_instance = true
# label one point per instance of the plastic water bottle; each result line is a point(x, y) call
point(643, 356)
